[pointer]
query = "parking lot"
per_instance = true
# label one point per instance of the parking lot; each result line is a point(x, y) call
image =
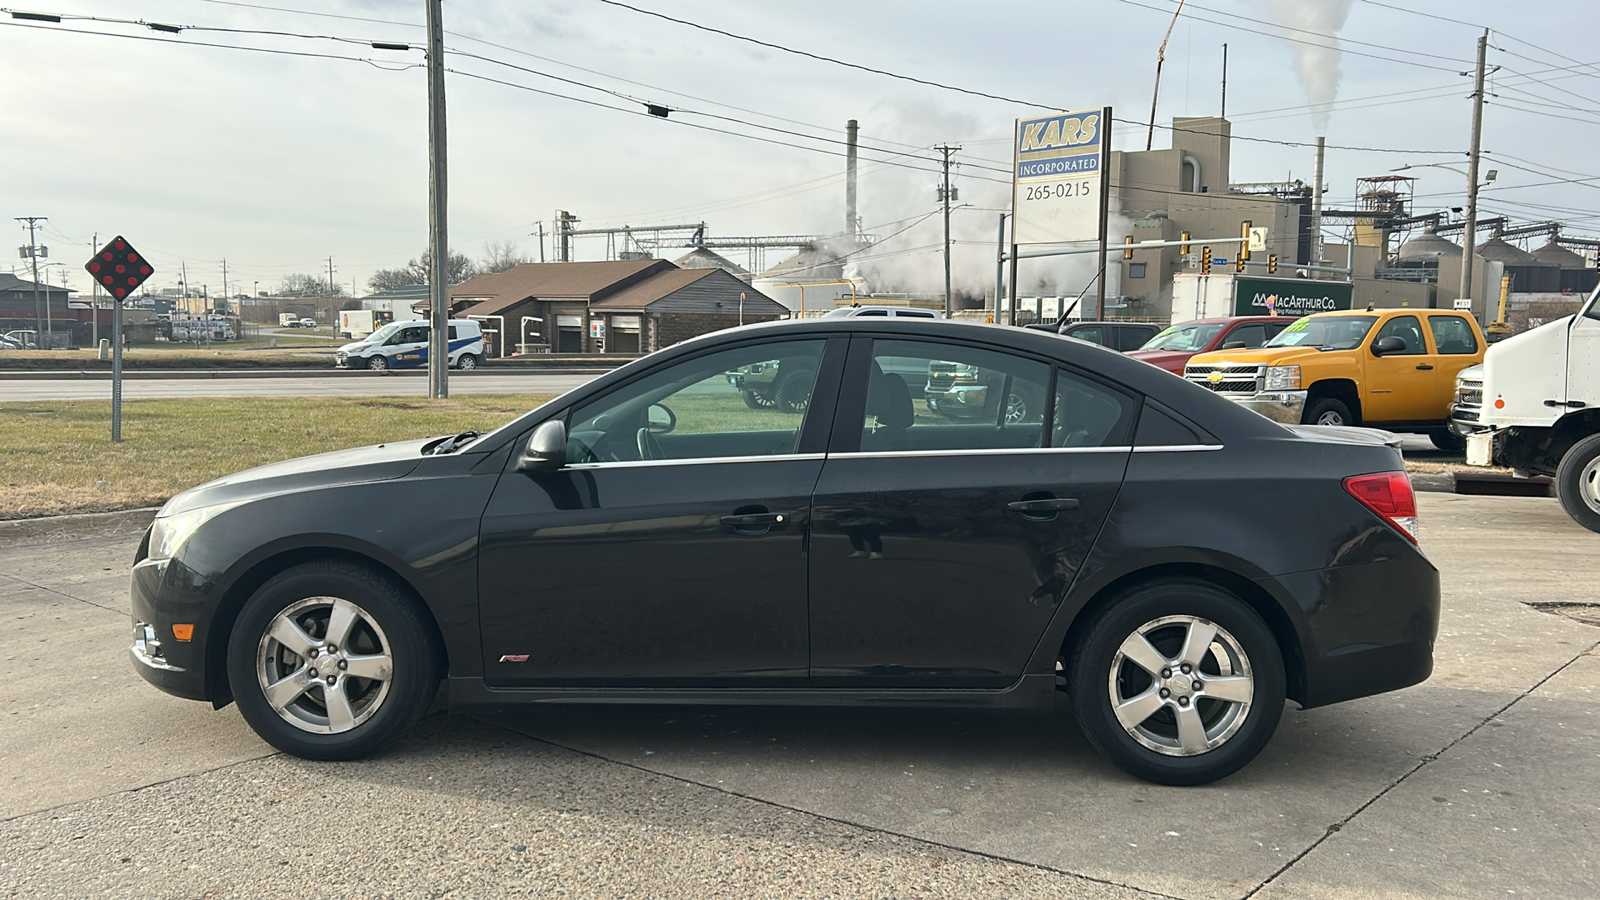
point(1477, 783)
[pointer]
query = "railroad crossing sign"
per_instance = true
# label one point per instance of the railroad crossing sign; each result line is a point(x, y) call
point(118, 268)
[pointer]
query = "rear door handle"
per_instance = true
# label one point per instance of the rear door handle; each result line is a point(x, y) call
point(769, 518)
point(755, 523)
point(1425, 367)
point(1048, 504)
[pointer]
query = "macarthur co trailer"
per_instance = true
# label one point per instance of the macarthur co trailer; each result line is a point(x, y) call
point(1214, 296)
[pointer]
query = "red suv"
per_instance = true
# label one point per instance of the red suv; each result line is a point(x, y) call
point(1172, 348)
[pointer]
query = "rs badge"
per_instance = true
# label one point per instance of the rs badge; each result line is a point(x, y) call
point(514, 658)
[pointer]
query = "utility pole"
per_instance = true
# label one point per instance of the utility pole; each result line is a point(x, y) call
point(946, 194)
point(1224, 80)
point(94, 288)
point(333, 316)
point(183, 286)
point(31, 252)
point(540, 234)
point(1471, 232)
point(225, 294)
point(438, 212)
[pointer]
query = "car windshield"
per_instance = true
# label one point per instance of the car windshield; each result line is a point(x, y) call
point(1192, 337)
point(1328, 332)
point(384, 333)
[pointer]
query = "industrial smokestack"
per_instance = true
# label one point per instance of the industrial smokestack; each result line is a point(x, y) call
point(1316, 203)
point(850, 128)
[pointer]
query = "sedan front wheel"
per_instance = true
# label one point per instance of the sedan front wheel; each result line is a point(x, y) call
point(328, 660)
point(1178, 682)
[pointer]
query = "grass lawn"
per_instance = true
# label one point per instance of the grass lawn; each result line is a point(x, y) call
point(57, 457)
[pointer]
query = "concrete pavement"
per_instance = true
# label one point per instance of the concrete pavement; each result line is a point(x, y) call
point(1477, 783)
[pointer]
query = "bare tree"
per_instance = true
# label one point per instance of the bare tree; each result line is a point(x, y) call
point(303, 285)
point(389, 279)
point(499, 256)
point(460, 269)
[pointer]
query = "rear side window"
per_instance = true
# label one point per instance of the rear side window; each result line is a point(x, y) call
point(452, 332)
point(1158, 429)
point(1130, 337)
point(916, 313)
point(873, 312)
point(1088, 414)
point(1452, 334)
point(925, 395)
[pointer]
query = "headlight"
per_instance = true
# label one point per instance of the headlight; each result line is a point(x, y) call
point(167, 533)
point(1283, 378)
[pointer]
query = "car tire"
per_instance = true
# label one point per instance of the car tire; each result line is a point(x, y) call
point(792, 392)
point(757, 400)
point(1183, 736)
point(378, 362)
point(467, 362)
point(1328, 411)
point(1578, 482)
point(280, 660)
point(1447, 441)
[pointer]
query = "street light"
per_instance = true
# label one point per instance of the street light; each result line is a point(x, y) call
point(1471, 234)
point(1488, 178)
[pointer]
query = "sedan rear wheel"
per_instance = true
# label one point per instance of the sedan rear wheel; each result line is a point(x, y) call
point(328, 660)
point(1178, 682)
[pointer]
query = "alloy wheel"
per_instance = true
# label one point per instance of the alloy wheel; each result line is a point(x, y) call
point(324, 665)
point(1181, 685)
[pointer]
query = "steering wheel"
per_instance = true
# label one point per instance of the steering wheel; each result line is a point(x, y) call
point(649, 447)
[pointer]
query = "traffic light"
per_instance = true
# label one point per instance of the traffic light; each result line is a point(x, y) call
point(1244, 248)
point(1238, 263)
point(1183, 249)
point(1205, 260)
point(1272, 264)
point(1127, 244)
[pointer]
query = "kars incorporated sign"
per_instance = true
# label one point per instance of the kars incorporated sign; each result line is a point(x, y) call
point(1067, 144)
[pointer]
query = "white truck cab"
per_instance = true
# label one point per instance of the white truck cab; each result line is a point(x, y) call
point(1534, 406)
point(404, 345)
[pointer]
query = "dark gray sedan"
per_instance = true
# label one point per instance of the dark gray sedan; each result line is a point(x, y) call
point(1087, 524)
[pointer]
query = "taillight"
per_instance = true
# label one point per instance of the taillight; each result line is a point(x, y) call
point(1389, 495)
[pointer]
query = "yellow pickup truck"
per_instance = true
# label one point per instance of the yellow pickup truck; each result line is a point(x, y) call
point(1388, 368)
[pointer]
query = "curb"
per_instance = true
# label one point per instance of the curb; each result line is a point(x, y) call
point(76, 527)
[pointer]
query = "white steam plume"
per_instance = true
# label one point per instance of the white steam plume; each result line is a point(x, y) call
point(1316, 66)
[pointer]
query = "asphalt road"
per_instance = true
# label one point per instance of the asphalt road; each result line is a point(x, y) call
point(1477, 783)
point(364, 384)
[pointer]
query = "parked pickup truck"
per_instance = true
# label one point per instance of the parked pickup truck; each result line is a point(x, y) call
point(1389, 368)
point(1173, 348)
point(1534, 405)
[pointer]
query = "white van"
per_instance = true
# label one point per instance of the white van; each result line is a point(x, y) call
point(404, 345)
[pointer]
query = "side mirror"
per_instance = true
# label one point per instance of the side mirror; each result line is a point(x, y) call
point(659, 419)
point(1233, 345)
point(546, 449)
point(1390, 344)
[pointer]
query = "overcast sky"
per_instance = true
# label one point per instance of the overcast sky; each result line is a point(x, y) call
point(277, 162)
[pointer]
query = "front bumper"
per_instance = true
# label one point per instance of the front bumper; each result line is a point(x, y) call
point(956, 400)
point(175, 666)
point(1283, 407)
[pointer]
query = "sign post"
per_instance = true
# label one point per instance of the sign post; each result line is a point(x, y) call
point(119, 269)
point(1061, 185)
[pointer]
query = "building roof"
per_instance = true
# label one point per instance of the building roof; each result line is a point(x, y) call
point(13, 283)
point(1556, 254)
point(554, 281)
point(1498, 250)
point(646, 292)
point(705, 258)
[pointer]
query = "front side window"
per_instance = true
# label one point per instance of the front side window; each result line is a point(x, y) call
point(747, 401)
point(1452, 335)
point(1325, 332)
point(1249, 336)
point(923, 395)
point(1407, 329)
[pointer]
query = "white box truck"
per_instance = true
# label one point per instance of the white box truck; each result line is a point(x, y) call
point(288, 320)
point(358, 323)
point(1534, 406)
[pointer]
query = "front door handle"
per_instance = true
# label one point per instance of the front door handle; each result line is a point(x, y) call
point(1042, 505)
point(1425, 367)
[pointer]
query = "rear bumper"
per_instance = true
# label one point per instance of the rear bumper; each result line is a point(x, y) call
point(1371, 627)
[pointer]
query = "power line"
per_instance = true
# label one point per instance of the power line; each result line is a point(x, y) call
point(1338, 47)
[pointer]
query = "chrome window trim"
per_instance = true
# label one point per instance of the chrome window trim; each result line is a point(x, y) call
point(1003, 451)
point(1178, 448)
point(696, 461)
